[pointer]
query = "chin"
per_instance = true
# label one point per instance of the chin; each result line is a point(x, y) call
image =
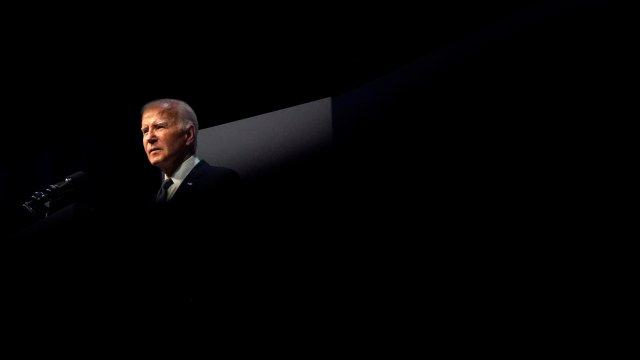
point(155, 161)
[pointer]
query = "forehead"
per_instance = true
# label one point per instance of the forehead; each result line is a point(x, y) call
point(154, 115)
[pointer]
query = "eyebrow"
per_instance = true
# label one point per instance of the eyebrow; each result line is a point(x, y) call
point(153, 123)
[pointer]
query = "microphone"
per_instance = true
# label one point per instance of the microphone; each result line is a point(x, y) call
point(40, 202)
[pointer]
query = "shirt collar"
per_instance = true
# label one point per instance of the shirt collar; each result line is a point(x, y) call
point(183, 170)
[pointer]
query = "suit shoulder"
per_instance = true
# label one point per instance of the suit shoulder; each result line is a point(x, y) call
point(216, 174)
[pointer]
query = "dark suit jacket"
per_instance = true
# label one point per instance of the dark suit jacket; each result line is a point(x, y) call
point(184, 238)
point(206, 187)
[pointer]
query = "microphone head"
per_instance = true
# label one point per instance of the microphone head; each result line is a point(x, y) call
point(77, 177)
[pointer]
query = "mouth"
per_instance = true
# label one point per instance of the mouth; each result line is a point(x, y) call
point(153, 150)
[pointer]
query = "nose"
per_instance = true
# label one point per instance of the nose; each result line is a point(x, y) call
point(151, 137)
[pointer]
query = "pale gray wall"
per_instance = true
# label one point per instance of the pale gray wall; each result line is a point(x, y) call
point(261, 143)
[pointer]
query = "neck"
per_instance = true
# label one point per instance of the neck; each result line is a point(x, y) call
point(170, 169)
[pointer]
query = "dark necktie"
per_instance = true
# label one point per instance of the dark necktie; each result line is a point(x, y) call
point(162, 193)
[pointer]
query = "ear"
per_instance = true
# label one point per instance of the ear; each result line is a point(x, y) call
point(190, 134)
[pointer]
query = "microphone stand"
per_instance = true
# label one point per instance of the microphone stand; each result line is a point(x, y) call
point(40, 203)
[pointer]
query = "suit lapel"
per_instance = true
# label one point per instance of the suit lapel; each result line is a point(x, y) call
point(190, 181)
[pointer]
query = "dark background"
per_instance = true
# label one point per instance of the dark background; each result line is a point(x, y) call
point(462, 178)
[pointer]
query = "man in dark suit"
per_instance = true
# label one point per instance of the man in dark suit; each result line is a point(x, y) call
point(193, 193)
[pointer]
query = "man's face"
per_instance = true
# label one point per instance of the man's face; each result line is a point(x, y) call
point(165, 141)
